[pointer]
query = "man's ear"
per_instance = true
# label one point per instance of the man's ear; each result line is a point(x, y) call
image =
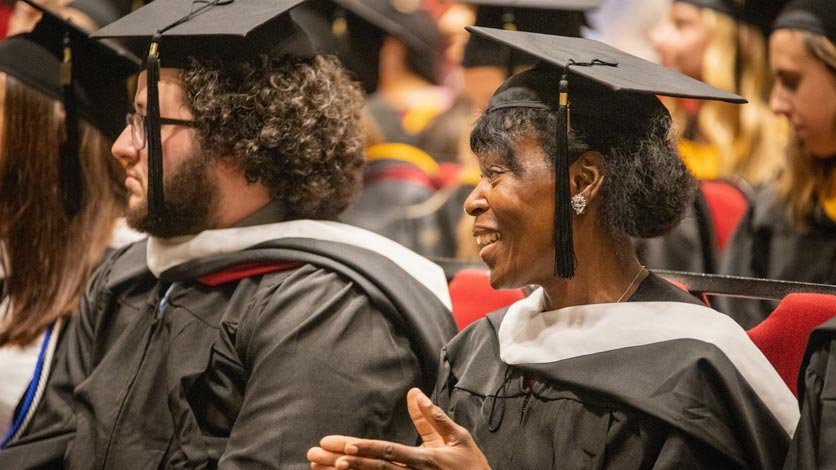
point(587, 175)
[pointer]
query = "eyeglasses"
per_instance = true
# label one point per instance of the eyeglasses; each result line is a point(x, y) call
point(137, 123)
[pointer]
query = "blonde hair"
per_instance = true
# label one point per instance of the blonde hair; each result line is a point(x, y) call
point(749, 139)
point(805, 175)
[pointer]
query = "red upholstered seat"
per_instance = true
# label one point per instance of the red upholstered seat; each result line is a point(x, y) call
point(473, 297)
point(727, 203)
point(782, 336)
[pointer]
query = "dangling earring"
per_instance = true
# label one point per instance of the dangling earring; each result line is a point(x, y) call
point(578, 203)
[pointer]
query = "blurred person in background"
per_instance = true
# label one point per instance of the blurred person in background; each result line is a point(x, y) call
point(720, 42)
point(394, 47)
point(724, 45)
point(789, 233)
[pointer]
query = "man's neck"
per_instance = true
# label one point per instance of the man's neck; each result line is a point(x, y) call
point(241, 200)
point(272, 212)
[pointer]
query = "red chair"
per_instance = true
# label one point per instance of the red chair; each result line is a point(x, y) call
point(782, 336)
point(473, 297)
point(727, 204)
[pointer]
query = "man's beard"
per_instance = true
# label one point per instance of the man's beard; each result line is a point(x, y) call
point(191, 198)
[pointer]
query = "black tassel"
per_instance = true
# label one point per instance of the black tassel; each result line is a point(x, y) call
point(564, 262)
point(71, 185)
point(152, 134)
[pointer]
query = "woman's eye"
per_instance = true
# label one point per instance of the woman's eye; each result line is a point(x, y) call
point(789, 81)
point(791, 84)
point(493, 171)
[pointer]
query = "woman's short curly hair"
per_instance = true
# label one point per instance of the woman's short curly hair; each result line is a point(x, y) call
point(647, 186)
point(292, 124)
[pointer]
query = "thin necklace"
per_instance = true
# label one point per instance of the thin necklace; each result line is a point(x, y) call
point(631, 285)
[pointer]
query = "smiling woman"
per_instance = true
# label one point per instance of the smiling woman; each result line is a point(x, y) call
point(604, 364)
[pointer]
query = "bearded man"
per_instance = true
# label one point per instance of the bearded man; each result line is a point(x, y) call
point(249, 323)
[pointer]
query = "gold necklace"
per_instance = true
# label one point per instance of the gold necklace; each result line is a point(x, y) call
point(630, 286)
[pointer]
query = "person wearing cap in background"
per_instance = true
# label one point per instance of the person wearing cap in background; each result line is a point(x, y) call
point(62, 194)
point(797, 214)
point(249, 323)
point(723, 43)
point(789, 232)
point(605, 365)
point(394, 48)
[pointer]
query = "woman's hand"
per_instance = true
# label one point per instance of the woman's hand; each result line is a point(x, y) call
point(446, 445)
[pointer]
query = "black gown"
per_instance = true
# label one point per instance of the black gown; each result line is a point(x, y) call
point(196, 370)
point(814, 444)
point(766, 245)
point(670, 404)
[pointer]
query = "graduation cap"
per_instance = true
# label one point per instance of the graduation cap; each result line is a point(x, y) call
point(174, 32)
point(557, 17)
point(406, 20)
point(815, 16)
point(589, 79)
point(61, 61)
point(759, 13)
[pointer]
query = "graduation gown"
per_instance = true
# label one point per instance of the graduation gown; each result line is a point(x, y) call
point(814, 444)
point(240, 351)
point(766, 245)
point(624, 386)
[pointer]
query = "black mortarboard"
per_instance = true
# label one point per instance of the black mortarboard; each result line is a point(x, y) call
point(815, 16)
point(173, 32)
point(558, 17)
point(405, 20)
point(64, 63)
point(759, 13)
point(594, 81)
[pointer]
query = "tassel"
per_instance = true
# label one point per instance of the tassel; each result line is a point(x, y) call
point(564, 262)
point(339, 27)
point(152, 134)
point(70, 166)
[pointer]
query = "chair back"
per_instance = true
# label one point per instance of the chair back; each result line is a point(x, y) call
point(473, 297)
point(727, 204)
point(782, 336)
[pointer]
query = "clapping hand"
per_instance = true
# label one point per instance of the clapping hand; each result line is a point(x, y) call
point(446, 445)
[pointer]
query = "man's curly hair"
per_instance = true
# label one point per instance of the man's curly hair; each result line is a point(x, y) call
point(292, 124)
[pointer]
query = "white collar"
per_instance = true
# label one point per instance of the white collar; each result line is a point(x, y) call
point(166, 253)
point(528, 335)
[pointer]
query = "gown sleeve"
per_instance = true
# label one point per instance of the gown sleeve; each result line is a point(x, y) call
point(319, 359)
point(814, 443)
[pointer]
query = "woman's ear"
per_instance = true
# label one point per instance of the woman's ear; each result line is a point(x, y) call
point(587, 174)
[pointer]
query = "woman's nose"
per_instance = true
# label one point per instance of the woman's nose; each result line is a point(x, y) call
point(476, 203)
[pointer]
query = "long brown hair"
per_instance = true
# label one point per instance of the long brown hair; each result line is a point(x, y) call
point(47, 256)
point(805, 176)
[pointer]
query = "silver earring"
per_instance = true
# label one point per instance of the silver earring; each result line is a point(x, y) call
point(578, 203)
